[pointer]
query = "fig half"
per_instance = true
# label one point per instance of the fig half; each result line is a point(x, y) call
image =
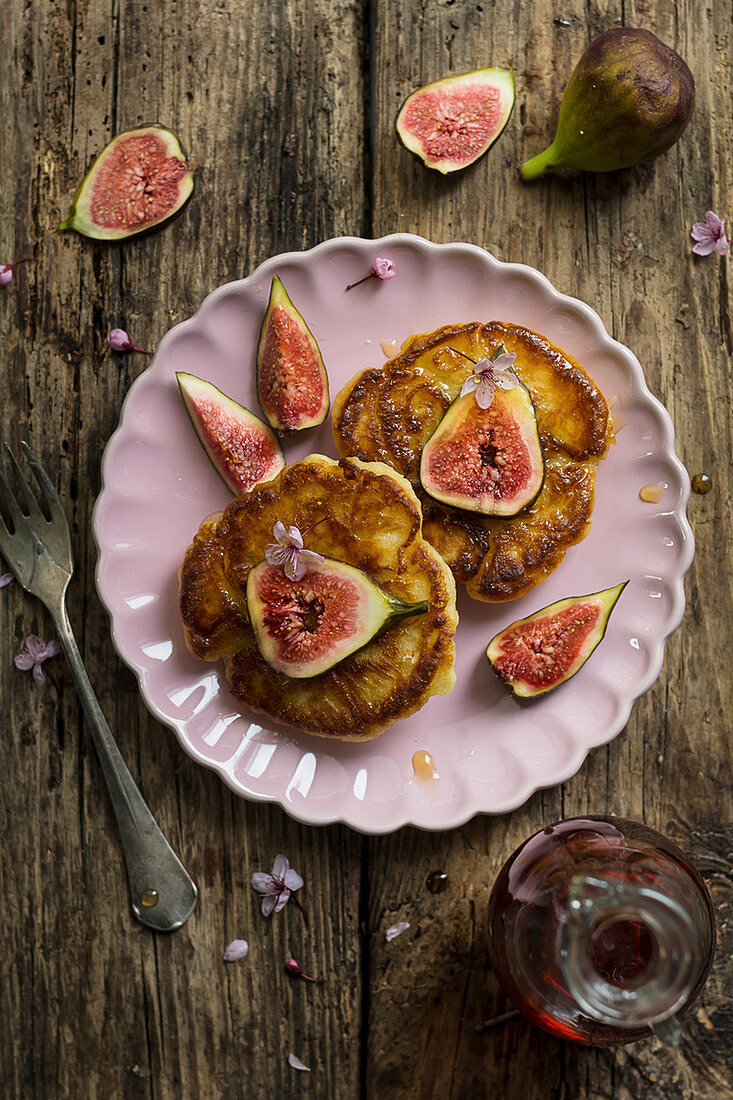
point(537, 654)
point(304, 627)
point(292, 384)
point(452, 122)
point(138, 181)
point(243, 449)
point(486, 460)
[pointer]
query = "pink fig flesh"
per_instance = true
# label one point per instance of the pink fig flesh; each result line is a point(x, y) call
point(449, 124)
point(242, 448)
point(138, 181)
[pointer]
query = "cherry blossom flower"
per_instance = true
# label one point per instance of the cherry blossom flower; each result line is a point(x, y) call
point(397, 930)
point(296, 1063)
point(278, 886)
point(710, 235)
point(5, 579)
point(490, 375)
point(382, 268)
point(118, 340)
point(288, 550)
point(293, 967)
point(235, 950)
point(35, 653)
point(6, 270)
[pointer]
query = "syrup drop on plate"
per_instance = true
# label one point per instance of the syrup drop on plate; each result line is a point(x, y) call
point(149, 898)
point(390, 348)
point(423, 766)
point(652, 494)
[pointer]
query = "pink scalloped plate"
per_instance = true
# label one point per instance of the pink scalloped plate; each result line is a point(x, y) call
point(490, 752)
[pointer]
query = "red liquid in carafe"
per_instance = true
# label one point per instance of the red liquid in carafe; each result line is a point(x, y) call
point(528, 909)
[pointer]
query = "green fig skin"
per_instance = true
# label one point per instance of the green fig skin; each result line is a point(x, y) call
point(628, 99)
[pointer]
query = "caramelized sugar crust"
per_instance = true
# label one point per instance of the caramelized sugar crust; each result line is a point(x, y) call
point(374, 523)
point(389, 413)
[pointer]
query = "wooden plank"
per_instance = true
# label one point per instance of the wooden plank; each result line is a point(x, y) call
point(269, 100)
point(621, 243)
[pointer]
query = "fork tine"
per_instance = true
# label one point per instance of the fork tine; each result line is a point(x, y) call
point(9, 504)
point(50, 496)
point(23, 486)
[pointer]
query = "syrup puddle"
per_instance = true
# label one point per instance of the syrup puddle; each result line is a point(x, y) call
point(652, 494)
point(423, 767)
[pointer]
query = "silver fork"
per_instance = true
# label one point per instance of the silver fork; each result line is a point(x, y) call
point(38, 550)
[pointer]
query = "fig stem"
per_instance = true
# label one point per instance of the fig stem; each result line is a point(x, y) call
point(540, 164)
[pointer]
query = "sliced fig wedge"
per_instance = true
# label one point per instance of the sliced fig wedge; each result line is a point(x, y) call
point(304, 627)
point(292, 384)
point(138, 181)
point(242, 448)
point(486, 460)
point(452, 122)
point(537, 654)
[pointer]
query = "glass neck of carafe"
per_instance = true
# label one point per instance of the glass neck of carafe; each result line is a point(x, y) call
point(628, 953)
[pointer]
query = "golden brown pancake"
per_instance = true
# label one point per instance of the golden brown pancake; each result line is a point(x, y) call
point(388, 414)
point(373, 522)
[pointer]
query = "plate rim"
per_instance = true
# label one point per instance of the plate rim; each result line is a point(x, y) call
point(302, 812)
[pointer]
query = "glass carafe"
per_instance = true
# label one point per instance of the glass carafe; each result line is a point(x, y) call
point(601, 930)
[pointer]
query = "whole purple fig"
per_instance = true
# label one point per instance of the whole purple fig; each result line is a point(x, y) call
point(628, 99)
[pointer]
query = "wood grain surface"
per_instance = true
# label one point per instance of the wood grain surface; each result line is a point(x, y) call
point(288, 107)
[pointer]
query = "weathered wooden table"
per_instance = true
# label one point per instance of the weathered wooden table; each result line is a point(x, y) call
point(289, 107)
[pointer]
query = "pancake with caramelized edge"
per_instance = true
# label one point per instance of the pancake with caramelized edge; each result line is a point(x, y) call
point(388, 414)
point(373, 522)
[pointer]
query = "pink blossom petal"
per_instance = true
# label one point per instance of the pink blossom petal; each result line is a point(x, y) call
point(280, 866)
point(276, 554)
point(721, 246)
point(485, 393)
point(296, 1063)
point(268, 904)
point(311, 555)
point(5, 579)
point(504, 361)
point(24, 661)
point(469, 385)
point(237, 949)
point(262, 882)
point(35, 646)
point(6, 274)
point(699, 232)
point(280, 531)
point(294, 566)
point(292, 880)
point(704, 248)
point(295, 537)
point(282, 900)
point(38, 674)
point(397, 930)
point(53, 648)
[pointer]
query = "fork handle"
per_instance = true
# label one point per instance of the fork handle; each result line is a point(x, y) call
point(163, 893)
